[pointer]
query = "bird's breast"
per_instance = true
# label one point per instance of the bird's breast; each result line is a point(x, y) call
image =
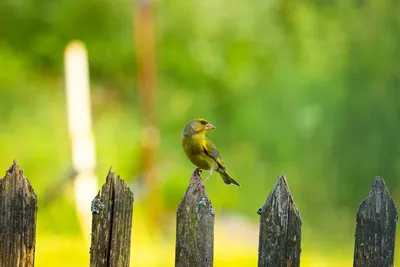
point(194, 151)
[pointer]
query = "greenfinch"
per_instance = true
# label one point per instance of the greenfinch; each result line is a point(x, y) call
point(202, 152)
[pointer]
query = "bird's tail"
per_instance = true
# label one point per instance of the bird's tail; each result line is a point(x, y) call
point(227, 178)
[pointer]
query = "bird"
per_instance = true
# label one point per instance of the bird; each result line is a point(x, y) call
point(202, 152)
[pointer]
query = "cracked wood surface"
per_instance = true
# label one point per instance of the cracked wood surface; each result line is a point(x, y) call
point(376, 228)
point(280, 229)
point(111, 224)
point(194, 228)
point(18, 208)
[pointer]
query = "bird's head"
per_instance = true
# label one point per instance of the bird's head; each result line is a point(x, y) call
point(197, 126)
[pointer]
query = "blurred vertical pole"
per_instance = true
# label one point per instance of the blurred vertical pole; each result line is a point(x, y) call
point(80, 131)
point(143, 18)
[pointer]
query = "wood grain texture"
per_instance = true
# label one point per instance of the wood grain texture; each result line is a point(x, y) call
point(376, 228)
point(112, 211)
point(280, 229)
point(18, 208)
point(194, 228)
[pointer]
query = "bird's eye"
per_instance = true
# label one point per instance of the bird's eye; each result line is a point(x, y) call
point(203, 122)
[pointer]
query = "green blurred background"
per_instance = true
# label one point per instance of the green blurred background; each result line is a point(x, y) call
point(305, 88)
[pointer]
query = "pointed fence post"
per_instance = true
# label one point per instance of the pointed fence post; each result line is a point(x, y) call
point(18, 208)
point(194, 228)
point(111, 224)
point(280, 229)
point(376, 228)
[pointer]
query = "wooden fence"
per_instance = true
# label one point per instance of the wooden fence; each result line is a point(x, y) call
point(280, 225)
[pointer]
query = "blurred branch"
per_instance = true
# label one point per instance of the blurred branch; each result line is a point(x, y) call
point(143, 18)
point(80, 130)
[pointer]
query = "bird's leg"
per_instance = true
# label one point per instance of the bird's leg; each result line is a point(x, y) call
point(201, 184)
point(197, 172)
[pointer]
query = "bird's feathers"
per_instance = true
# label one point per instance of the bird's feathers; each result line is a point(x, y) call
point(201, 151)
point(213, 152)
point(227, 178)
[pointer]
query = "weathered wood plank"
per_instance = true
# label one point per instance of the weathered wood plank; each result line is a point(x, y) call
point(280, 229)
point(376, 228)
point(18, 208)
point(194, 228)
point(112, 224)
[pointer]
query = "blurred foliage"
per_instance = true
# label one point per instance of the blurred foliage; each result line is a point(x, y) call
point(309, 89)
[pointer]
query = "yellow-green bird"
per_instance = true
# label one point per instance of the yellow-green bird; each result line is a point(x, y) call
point(202, 152)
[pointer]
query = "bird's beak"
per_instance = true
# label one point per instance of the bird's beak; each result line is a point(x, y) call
point(209, 126)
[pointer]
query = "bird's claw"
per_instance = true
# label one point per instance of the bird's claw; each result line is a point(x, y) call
point(201, 185)
point(197, 172)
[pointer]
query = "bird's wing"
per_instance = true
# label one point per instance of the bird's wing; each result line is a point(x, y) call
point(212, 151)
